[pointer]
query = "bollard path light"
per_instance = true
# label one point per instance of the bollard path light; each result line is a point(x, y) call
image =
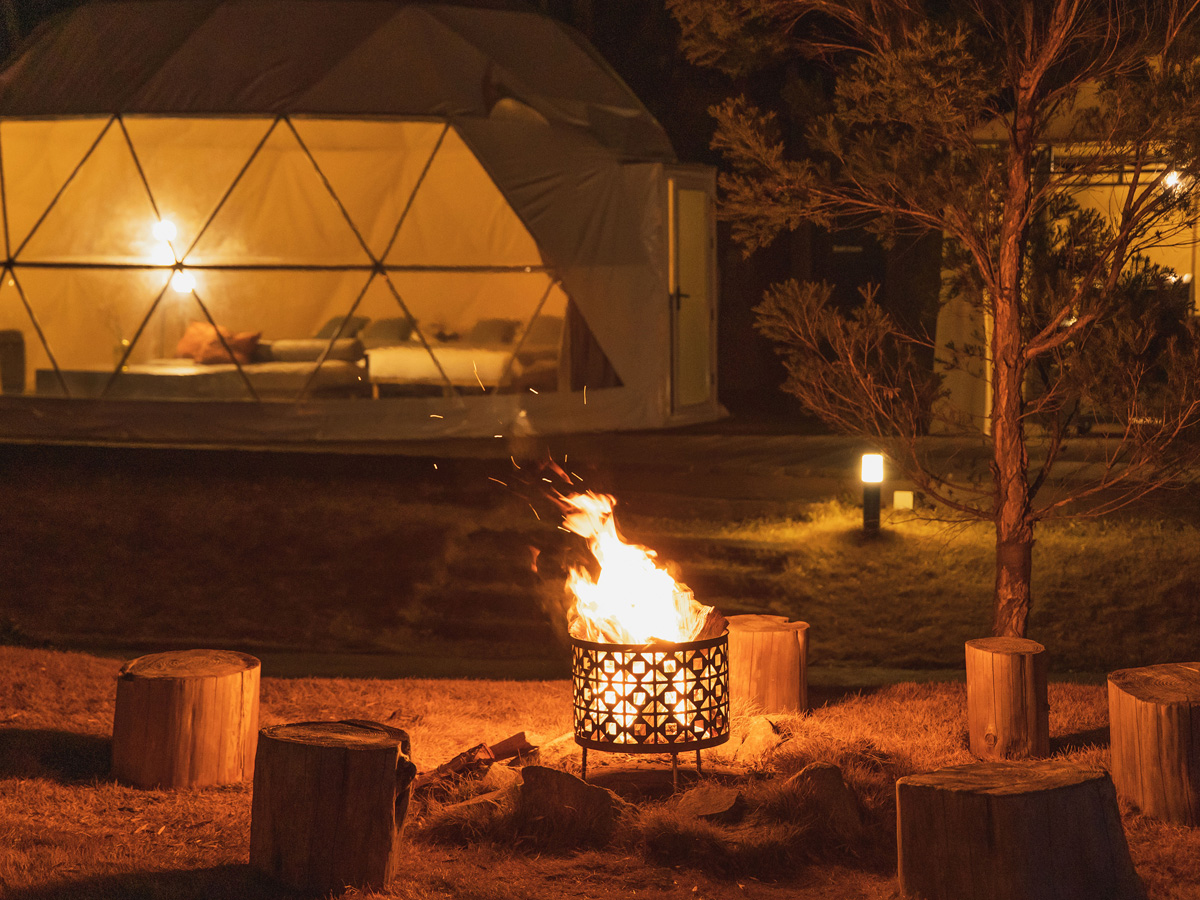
point(872, 475)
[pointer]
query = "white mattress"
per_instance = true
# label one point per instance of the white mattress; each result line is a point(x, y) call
point(464, 366)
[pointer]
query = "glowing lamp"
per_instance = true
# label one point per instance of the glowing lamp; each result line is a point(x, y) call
point(183, 282)
point(872, 468)
point(164, 230)
point(872, 476)
point(1171, 180)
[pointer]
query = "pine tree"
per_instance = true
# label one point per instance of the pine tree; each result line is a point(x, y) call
point(981, 121)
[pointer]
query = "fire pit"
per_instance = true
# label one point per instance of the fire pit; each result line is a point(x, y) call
point(651, 698)
point(649, 664)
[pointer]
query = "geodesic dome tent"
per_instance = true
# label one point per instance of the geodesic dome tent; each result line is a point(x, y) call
point(313, 219)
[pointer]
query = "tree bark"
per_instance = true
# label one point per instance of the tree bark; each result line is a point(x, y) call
point(186, 719)
point(1048, 830)
point(1008, 715)
point(768, 663)
point(1154, 716)
point(330, 800)
point(1010, 459)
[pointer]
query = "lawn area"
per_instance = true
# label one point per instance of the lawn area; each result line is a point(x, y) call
point(409, 566)
point(68, 830)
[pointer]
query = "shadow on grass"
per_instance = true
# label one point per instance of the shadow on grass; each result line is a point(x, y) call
point(1091, 739)
point(62, 756)
point(216, 883)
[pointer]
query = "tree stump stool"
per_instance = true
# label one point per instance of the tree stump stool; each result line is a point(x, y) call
point(186, 719)
point(768, 663)
point(1045, 830)
point(1008, 714)
point(329, 804)
point(1154, 719)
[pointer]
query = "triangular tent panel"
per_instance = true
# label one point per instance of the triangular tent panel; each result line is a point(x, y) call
point(280, 212)
point(88, 316)
point(373, 168)
point(104, 215)
point(191, 163)
point(412, 61)
point(460, 218)
point(249, 301)
point(39, 157)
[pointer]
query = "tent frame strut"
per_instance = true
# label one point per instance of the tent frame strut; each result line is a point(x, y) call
point(375, 267)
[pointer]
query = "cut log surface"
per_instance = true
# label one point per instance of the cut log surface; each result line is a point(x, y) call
point(1154, 716)
point(768, 663)
point(186, 719)
point(1008, 713)
point(330, 799)
point(1044, 830)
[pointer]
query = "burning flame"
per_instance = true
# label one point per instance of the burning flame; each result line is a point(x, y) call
point(633, 601)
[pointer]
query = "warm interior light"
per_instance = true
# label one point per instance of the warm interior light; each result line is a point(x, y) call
point(183, 282)
point(164, 230)
point(163, 255)
point(872, 468)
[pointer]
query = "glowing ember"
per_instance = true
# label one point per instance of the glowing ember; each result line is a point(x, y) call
point(633, 601)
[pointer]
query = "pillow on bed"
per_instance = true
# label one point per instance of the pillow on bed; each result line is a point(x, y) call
point(354, 324)
point(310, 349)
point(201, 344)
point(387, 332)
point(494, 331)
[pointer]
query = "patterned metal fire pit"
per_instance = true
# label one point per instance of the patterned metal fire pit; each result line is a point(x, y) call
point(651, 698)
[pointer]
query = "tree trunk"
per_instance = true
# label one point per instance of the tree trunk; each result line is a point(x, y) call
point(768, 663)
point(1008, 715)
point(329, 804)
point(1154, 716)
point(186, 719)
point(1010, 459)
point(1012, 831)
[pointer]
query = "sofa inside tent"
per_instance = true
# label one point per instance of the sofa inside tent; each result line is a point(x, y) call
point(345, 221)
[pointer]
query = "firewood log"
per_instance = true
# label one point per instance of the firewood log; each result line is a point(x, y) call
point(1044, 830)
point(330, 799)
point(1008, 713)
point(186, 719)
point(768, 663)
point(1154, 716)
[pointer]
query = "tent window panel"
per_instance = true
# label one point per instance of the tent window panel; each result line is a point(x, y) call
point(459, 217)
point(589, 365)
point(276, 323)
point(39, 157)
point(104, 215)
point(191, 163)
point(88, 316)
point(372, 167)
point(280, 213)
point(477, 332)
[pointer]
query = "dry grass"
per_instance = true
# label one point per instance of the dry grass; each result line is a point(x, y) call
point(67, 830)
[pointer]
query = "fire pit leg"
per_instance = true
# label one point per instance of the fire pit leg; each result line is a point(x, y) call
point(699, 770)
point(583, 768)
point(674, 771)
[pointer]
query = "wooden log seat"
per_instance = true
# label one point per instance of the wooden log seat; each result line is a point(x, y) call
point(186, 719)
point(1154, 718)
point(1044, 830)
point(1008, 714)
point(329, 804)
point(768, 663)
